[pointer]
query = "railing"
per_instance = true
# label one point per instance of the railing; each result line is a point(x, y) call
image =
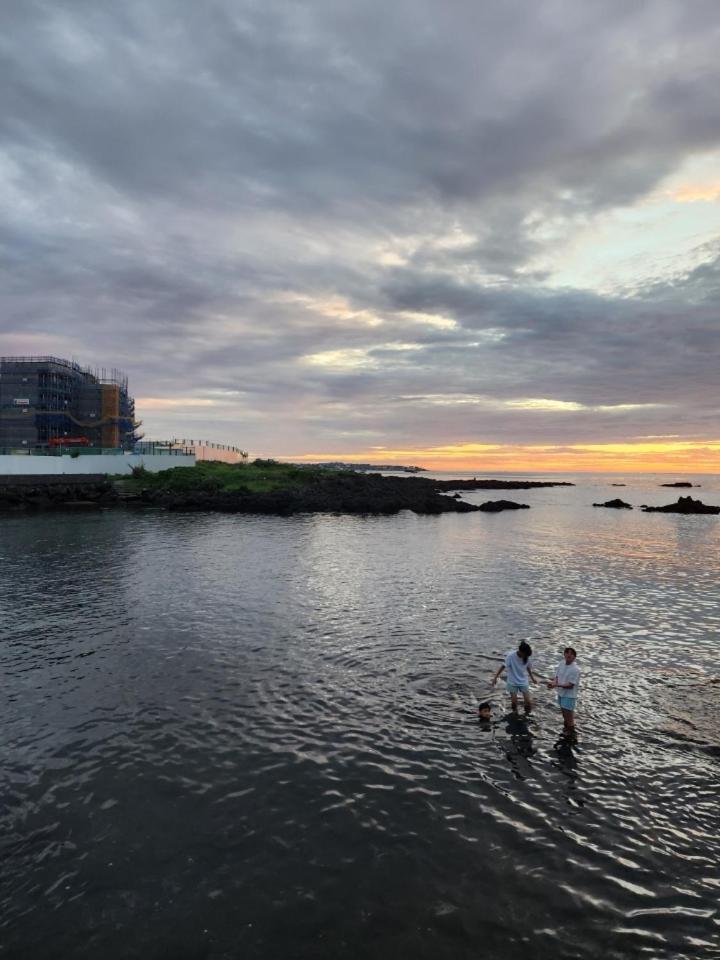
point(98, 374)
point(162, 447)
point(93, 451)
point(170, 448)
point(209, 444)
point(68, 364)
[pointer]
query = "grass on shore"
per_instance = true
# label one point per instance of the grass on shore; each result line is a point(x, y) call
point(212, 476)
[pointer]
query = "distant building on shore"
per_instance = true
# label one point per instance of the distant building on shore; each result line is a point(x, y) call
point(48, 403)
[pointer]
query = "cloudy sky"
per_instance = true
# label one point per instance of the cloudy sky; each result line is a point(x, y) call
point(470, 234)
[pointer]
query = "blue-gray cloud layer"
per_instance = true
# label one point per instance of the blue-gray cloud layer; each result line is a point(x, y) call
point(207, 195)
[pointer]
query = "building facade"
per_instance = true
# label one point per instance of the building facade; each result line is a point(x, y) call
point(46, 402)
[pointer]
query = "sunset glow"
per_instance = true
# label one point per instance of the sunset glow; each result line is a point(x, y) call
point(658, 457)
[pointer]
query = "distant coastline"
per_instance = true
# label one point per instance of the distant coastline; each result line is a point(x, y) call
point(365, 467)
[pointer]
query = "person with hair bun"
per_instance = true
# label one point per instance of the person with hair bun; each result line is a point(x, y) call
point(518, 664)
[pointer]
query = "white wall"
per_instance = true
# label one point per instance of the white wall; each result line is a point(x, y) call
point(218, 452)
point(19, 463)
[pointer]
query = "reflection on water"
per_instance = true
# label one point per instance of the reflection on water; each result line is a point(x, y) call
point(234, 736)
point(568, 762)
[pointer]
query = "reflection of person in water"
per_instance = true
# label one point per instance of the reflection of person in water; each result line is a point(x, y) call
point(520, 748)
point(568, 762)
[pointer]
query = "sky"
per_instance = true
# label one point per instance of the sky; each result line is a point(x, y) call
point(465, 235)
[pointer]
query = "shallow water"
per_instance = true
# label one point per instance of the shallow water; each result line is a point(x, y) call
point(249, 737)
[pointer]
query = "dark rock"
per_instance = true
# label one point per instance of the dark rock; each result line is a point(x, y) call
point(495, 506)
point(355, 493)
point(56, 491)
point(684, 505)
point(617, 484)
point(616, 504)
point(680, 483)
point(476, 484)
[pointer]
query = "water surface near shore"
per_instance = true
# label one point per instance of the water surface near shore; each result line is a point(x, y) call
point(235, 736)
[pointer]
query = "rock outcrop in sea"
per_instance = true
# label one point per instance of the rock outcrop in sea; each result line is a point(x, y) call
point(264, 488)
point(495, 506)
point(616, 504)
point(355, 493)
point(338, 493)
point(684, 505)
point(476, 484)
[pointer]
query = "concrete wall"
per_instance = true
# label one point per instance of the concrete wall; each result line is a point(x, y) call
point(218, 452)
point(11, 464)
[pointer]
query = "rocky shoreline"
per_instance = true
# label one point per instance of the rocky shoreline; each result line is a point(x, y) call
point(323, 491)
point(354, 493)
point(476, 484)
point(49, 492)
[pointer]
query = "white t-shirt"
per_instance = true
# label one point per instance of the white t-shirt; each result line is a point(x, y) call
point(568, 673)
point(517, 668)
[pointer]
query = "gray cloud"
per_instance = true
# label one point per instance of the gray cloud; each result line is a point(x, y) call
point(220, 197)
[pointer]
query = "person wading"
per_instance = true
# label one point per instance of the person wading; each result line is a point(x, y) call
point(518, 664)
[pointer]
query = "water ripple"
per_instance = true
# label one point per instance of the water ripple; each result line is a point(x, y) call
point(232, 735)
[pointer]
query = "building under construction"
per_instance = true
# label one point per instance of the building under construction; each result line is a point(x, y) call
point(46, 403)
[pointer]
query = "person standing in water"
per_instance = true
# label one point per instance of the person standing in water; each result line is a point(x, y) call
point(518, 664)
point(567, 683)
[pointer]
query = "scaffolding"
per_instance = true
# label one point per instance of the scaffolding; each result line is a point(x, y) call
point(47, 399)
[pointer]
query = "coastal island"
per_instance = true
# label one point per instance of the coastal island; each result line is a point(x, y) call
point(268, 487)
point(280, 489)
point(264, 487)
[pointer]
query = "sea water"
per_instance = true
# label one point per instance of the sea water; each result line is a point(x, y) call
point(257, 737)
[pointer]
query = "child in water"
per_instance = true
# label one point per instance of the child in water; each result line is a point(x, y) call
point(567, 683)
point(518, 664)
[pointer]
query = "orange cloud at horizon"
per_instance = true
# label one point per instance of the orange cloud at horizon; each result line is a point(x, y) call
point(693, 193)
point(640, 457)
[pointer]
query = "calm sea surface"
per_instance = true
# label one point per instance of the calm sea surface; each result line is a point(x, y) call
point(252, 737)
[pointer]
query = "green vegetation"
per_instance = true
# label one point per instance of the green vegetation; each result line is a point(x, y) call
point(211, 476)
